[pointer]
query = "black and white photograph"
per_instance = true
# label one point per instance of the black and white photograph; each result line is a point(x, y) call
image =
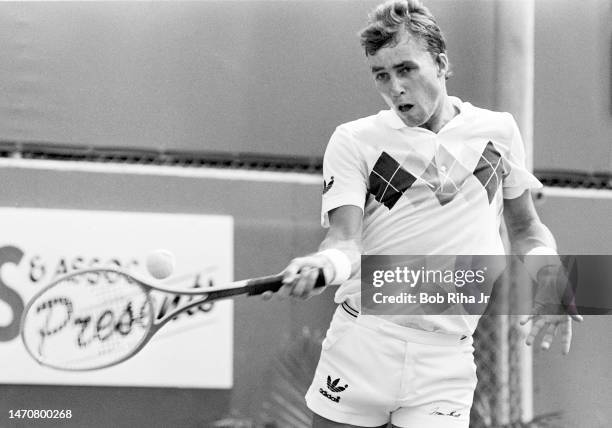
point(306, 214)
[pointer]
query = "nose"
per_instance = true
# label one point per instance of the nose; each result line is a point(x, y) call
point(396, 88)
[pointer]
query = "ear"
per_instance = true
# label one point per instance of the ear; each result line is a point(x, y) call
point(442, 63)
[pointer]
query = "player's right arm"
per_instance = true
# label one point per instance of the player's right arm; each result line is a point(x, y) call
point(343, 236)
point(345, 175)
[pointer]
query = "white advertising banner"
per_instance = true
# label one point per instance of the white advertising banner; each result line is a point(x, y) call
point(193, 351)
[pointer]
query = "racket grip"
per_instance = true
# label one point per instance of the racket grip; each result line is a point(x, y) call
point(274, 283)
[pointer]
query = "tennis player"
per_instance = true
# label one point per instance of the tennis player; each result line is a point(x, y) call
point(430, 175)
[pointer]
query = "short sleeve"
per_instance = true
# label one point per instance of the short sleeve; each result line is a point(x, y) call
point(344, 174)
point(517, 178)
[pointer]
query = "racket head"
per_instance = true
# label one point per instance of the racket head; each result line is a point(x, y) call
point(89, 319)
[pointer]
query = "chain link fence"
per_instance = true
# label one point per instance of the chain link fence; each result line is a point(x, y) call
point(504, 394)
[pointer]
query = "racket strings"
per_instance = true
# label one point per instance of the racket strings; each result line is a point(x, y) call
point(107, 315)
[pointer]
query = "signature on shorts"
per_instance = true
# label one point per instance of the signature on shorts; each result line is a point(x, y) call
point(453, 413)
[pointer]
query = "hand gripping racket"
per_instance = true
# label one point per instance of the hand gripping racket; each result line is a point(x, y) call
point(95, 318)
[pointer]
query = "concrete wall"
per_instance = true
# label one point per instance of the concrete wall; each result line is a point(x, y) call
point(578, 384)
point(274, 222)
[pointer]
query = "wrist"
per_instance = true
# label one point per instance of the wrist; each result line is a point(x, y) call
point(542, 251)
point(540, 259)
point(340, 263)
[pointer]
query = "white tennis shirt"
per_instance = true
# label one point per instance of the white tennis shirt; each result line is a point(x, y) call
point(424, 193)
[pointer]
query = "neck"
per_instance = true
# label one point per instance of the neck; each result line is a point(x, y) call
point(445, 113)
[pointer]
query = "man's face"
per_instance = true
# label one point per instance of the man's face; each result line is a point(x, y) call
point(410, 81)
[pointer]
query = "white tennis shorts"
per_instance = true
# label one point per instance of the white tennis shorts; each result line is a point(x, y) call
point(372, 371)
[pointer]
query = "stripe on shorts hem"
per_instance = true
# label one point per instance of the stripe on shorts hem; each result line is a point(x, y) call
point(349, 310)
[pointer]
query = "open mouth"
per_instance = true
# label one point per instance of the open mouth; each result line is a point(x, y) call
point(404, 107)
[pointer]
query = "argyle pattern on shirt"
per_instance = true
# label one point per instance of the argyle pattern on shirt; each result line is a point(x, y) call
point(389, 180)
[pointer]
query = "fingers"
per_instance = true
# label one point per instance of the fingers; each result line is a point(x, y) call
point(290, 274)
point(538, 324)
point(566, 336)
point(284, 292)
point(550, 326)
point(577, 317)
point(305, 283)
point(569, 303)
point(290, 277)
point(549, 334)
point(300, 276)
point(267, 295)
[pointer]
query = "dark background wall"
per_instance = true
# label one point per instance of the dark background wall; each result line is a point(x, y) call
point(275, 76)
point(250, 76)
point(573, 92)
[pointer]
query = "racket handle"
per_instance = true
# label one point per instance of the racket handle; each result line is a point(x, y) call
point(275, 282)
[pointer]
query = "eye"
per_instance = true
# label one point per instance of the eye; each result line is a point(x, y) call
point(404, 70)
point(381, 77)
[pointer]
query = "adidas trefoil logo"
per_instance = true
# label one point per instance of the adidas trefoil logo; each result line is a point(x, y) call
point(327, 186)
point(333, 387)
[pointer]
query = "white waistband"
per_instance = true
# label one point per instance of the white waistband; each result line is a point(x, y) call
point(408, 334)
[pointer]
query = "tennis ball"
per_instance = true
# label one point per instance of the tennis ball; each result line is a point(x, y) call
point(160, 264)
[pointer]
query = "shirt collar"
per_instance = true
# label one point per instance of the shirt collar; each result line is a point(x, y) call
point(392, 120)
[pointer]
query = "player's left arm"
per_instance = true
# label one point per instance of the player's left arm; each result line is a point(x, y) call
point(526, 230)
point(528, 235)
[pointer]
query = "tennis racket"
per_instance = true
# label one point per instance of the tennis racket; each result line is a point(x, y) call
point(96, 318)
